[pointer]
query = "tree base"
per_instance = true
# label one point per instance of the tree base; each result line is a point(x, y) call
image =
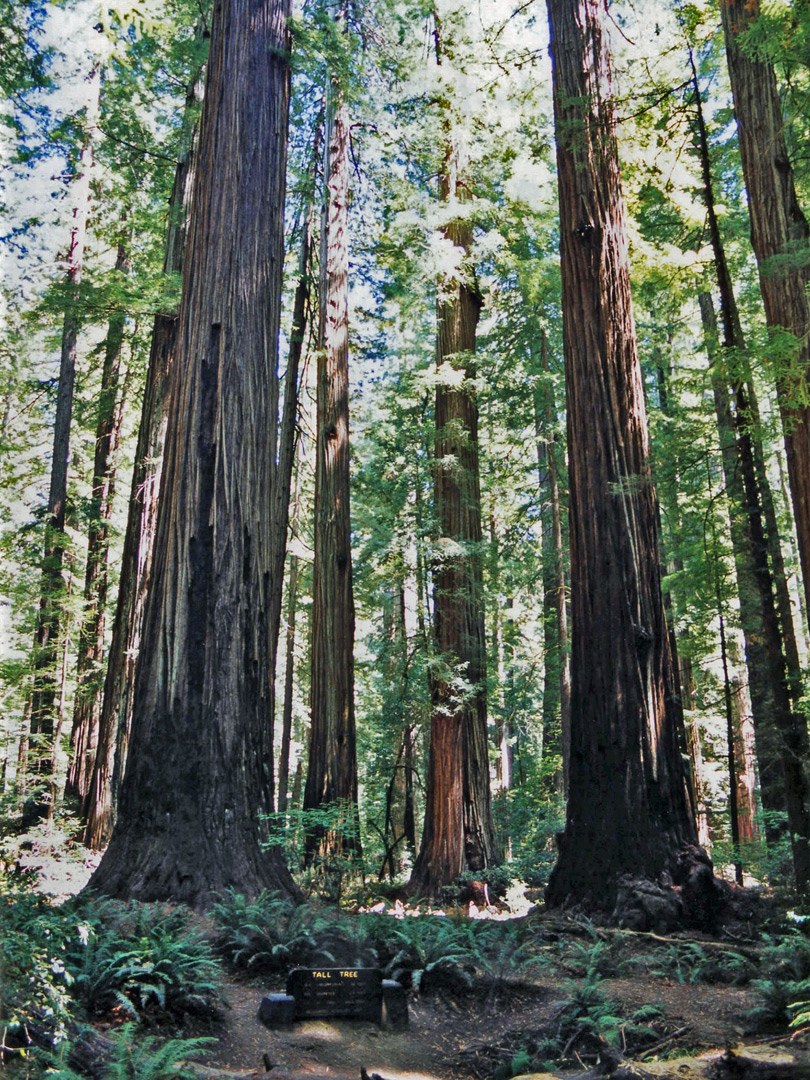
point(135, 867)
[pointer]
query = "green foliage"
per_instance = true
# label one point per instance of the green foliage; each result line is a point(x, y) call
point(433, 953)
point(588, 1015)
point(133, 1056)
point(34, 942)
point(321, 846)
point(249, 932)
point(271, 934)
point(144, 959)
point(787, 961)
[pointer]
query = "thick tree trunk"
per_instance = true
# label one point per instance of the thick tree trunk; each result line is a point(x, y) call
point(49, 617)
point(198, 781)
point(458, 832)
point(628, 809)
point(99, 807)
point(87, 707)
point(779, 234)
point(332, 765)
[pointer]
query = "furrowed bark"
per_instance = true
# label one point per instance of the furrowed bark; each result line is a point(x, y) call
point(779, 234)
point(198, 783)
point(100, 802)
point(628, 808)
point(332, 765)
point(458, 831)
point(87, 707)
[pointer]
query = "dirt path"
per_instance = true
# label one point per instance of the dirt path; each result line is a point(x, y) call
point(444, 1036)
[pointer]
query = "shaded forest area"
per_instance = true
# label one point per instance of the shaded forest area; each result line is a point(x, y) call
point(405, 453)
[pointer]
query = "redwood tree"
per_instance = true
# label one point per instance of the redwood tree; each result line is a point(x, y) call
point(99, 806)
point(780, 235)
point(198, 780)
point(332, 767)
point(458, 832)
point(628, 808)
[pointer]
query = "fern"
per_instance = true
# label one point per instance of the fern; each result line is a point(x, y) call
point(133, 1057)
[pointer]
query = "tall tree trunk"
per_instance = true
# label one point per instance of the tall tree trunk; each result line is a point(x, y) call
point(332, 765)
point(49, 616)
point(629, 809)
point(198, 784)
point(100, 802)
point(554, 601)
point(779, 234)
point(458, 832)
point(289, 659)
point(87, 706)
point(782, 735)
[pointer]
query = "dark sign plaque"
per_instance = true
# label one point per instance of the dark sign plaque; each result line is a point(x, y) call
point(356, 993)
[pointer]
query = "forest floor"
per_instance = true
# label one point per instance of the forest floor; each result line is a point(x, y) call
point(481, 1032)
point(452, 1036)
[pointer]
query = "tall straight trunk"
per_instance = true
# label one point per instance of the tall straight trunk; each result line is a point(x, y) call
point(629, 808)
point(49, 616)
point(100, 802)
point(782, 735)
point(289, 658)
point(332, 765)
point(503, 771)
point(197, 789)
point(87, 707)
point(779, 234)
point(458, 832)
point(557, 672)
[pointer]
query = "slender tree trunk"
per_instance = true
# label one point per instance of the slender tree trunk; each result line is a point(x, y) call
point(554, 601)
point(289, 659)
point(48, 626)
point(779, 234)
point(100, 802)
point(782, 736)
point(629, 809)
point(87, 707)
point(198, 784)
point(458, 832)
point(332, 766)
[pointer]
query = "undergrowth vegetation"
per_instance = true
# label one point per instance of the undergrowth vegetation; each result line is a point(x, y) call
point(148, 972)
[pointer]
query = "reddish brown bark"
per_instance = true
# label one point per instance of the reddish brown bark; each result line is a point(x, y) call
point(99, 807)
point(779, 234)
point(197, 786)
point(46, 661)
point(332, 765)
point(781, 734)
point(87, 706)
point(458, 832)
point(628, 809)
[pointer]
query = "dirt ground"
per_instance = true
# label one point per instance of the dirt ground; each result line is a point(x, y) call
point(447, 1038)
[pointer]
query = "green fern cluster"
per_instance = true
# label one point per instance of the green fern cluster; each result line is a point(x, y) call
point(588, 1015)
point(432, 953)
point(271, 934)
point(132, 1056)
point(145, 959)
point(781, 995)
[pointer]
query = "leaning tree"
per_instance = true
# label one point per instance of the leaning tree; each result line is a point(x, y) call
point(199, 782)
point(629, 809)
